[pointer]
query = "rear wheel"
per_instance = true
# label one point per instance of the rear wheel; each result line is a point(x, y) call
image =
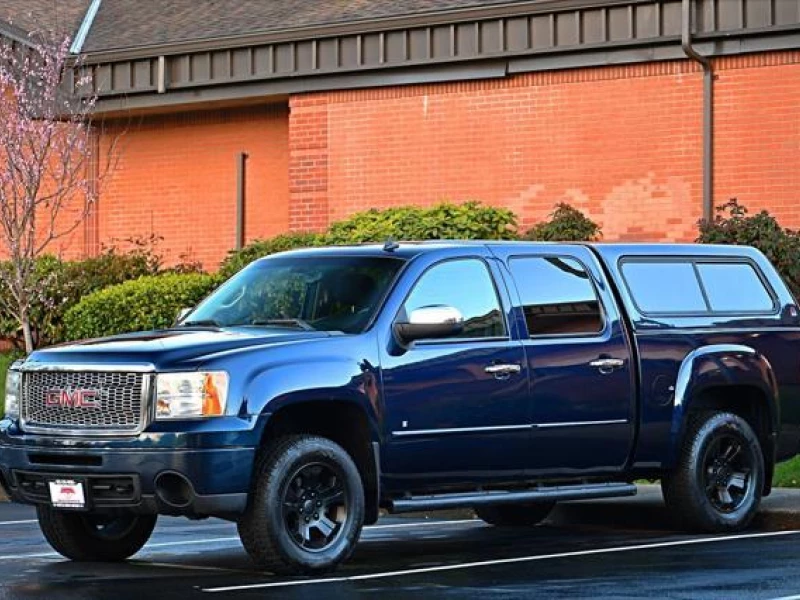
point(515, 515)
point(92, 537)
point(306, 510)
point(718, 481)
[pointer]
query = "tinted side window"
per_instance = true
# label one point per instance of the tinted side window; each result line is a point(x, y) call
point(466, 285)
point(557, 296)
point(734, 287)
point(664, 287)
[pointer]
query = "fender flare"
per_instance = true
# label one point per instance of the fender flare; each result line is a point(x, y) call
point(705, 368)
point(334, 382)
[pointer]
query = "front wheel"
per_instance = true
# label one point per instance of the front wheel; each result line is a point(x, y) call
point(93, 537)
point(717, 484)
point(306, 508)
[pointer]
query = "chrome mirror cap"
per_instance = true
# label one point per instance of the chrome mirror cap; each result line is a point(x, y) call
point(437, 314)
point(430, 322)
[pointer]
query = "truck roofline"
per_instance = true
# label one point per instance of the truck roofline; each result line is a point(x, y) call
point(407, 249)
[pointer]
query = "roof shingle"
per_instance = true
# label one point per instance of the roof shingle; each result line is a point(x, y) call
point(63, 17)
point(123, 24)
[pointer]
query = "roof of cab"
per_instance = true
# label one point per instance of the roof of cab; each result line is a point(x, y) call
point(609, 251)
point(614, 251)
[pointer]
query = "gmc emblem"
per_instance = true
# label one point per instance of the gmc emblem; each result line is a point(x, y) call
point(73, 398)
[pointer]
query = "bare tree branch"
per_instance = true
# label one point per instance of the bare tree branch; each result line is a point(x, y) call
point(49, 176)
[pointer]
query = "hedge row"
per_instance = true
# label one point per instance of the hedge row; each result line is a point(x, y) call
point(467, 221)
point(153, 301)
point(62, 284)
point(733, 225)
point(146, 303)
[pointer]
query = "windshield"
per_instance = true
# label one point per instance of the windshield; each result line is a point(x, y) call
point(333, 293)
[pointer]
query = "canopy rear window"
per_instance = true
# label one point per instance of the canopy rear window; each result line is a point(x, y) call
point(697, 287)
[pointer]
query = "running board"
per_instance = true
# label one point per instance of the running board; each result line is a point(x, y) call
point(540, 494)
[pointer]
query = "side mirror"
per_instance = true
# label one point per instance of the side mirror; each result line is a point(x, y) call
point(438, 321)
point(182, 315)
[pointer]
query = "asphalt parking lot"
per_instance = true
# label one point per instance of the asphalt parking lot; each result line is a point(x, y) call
point(639, 555)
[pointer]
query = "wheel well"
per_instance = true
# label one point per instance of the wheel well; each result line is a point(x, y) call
point(750, 403)
point(342, 422)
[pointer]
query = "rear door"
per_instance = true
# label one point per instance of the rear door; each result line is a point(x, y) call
point(578, 358)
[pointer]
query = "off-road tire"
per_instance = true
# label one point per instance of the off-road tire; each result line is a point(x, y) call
point(688, 494)
point(263, 528)
point(515, 515)
point(79, 537)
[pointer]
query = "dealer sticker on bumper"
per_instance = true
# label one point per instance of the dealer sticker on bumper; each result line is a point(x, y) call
point(66, 493)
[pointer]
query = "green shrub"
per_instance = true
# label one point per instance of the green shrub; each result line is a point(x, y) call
point(47, 300)
point(61, 284)
point(566, 224)
point(468, 221)
point(238, 259)
point(150, 302)
point(733, 225)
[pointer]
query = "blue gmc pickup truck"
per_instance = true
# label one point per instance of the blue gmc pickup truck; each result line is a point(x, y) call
point(317, 387)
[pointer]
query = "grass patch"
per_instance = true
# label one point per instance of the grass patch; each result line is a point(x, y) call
point(787, 474)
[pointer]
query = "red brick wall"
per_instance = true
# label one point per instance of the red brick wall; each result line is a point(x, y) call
point(623, 144)
point(175, 177)
point(308, 163)
point(757, 144)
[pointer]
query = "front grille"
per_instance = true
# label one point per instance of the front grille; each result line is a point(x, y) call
point(82, 402)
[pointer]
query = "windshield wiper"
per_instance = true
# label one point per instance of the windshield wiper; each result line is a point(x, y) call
point(202, 323)
point(284, 323)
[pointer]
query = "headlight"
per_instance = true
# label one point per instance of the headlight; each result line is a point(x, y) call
point(191, 395)
point(13, 379)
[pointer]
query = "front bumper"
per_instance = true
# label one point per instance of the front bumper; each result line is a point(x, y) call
point(191, 473)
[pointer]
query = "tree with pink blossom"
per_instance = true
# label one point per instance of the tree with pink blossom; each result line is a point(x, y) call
point(49, 174)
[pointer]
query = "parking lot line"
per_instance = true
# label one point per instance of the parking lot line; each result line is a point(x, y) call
point(501, 561)
point(236, 538)
point(21, 522)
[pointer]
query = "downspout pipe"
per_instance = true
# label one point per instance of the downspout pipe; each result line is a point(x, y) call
point(708, 108)
point(241, 190)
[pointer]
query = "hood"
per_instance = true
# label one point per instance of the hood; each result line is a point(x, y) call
point(168, 349)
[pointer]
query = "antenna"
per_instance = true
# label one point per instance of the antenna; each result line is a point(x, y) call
point(390, 245)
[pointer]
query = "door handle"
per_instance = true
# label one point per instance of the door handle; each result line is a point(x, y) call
point(607, 365)
point(501, 371)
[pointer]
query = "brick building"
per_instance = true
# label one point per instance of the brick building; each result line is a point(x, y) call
point(343, 106)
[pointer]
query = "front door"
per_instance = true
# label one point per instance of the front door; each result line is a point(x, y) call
point(582, 386)
point(457, 408)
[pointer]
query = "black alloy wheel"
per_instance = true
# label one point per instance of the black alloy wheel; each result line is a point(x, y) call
point(717, 483)
point(727, 468)
point(315, 506)
point(306, 508)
